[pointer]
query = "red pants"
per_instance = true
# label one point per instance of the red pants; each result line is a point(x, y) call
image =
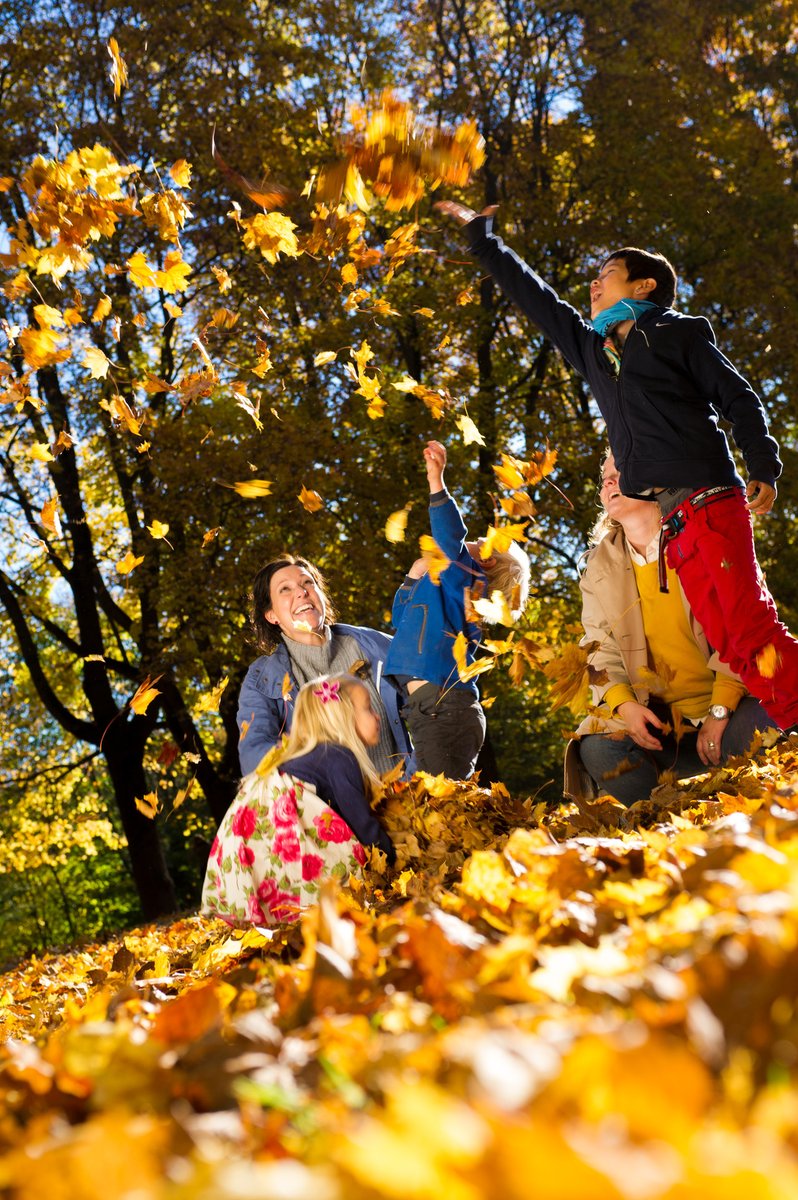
point(715, 560)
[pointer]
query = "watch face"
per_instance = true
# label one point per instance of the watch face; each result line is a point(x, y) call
point(719, 712)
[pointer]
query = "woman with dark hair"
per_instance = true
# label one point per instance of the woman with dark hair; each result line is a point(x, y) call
point(663, 699)
point(295, 626)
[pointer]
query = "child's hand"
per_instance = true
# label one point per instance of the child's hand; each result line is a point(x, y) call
point(418, 569)
point(435, 461)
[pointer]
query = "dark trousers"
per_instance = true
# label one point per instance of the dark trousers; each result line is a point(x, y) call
point(447, 728)
point(622, 769)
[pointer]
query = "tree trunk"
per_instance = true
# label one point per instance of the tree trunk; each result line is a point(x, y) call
point(124, 754)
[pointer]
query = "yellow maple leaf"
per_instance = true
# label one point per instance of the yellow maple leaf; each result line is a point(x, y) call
point(174, 276)
point(118, 67)
point(128, 563)
point(324, 356)
point(362, 355)
point(434, 558)
point(263, 365)
point(251, 489)
point(49, 516)
point(396, 525)
point(568, 673)
point(310, 501)
point(210, 535)
point(465, 669)
point(768, 661)
point(406, 384)
point(349, 274)
point(464, 297)
point(174, 310)
point(144, 696)
point(509, 473)
point(158, 529)
point(224, 318)
point(48, 317)
point(42, 348)
point(154, 385)
point(469, 431)
point(273, 234)
point(425, 312)
point(140, 271)
point(96, 361)
point(500, 538)
point(104, 305)
point(40, 452)
point(149, 805)
point(223, 279)
point(496, 610)
point(376, 408)
point(209, 701)
point(181, 173)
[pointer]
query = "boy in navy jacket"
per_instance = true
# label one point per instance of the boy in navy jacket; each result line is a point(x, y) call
point(661, 383)
point(442, 713)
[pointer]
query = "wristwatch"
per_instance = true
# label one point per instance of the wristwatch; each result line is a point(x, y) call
point(720, 712)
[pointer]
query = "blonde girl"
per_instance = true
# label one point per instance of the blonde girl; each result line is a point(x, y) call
point(304, 814)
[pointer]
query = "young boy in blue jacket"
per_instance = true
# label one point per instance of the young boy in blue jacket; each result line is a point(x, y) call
point(442, 713)
point(661, 383)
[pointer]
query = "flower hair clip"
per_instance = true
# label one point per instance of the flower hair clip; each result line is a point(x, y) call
point(328, 691)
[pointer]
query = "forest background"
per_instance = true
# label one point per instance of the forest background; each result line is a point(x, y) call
point(135, 415)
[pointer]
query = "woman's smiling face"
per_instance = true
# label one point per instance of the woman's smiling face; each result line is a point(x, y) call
point(297, 604)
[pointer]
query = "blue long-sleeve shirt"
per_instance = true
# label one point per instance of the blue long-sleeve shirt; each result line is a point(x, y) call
point(429, 616)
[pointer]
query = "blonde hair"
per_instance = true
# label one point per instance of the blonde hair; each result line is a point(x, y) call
point(509, 572)
point(317, 721)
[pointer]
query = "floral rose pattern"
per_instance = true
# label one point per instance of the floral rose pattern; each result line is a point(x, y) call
point(275, 844)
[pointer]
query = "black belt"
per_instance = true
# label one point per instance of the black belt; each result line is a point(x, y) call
point(675, 521)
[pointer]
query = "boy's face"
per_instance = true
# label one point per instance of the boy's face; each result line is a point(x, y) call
point(613, 284)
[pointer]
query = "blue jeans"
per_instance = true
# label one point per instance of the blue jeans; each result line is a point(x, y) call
point(623, 770)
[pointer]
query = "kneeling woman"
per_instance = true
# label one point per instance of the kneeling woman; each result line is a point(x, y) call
point(307, 817)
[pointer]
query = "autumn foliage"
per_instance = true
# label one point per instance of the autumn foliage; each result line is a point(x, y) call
point(541, 1001)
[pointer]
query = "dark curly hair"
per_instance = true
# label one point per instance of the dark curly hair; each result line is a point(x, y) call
point(267, 634)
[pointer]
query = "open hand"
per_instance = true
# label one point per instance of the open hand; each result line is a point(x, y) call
point(461, 213)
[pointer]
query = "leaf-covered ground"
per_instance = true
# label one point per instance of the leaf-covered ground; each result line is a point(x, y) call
point(540, 1004)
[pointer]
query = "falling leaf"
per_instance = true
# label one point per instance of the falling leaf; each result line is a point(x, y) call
point(469, 431)
point(154, 385)
point(140, 271)
point(40, 452)
point(128, 563)
point(499, 538)
point(50, 518)
point(271, 233)
point(148, 806)
point(209, 701)
point(269, 195)
point(224, 318)
point(287, 687)
point(509, 473)
point(223, 279)
point(495, 611)
point(251, 489)
point(349, 274)
point(424, 312)
point(466, 670)
point(325, 356)
point(144, 696)
point(396, 525)
point(181, 173)
point(434, 558)
point(104, 305)
point(118, 67)
point(310, 501)
point(768, 661)
point(210, 535)
point(174, 276)
point(174, 310)
point(158, 529)
point(464, 297)
point(96, 361)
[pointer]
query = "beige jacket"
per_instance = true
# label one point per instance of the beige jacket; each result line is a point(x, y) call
point(611, 616)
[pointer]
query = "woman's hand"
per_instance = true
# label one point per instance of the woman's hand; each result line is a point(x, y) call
point(710, 739)
point(637, 718)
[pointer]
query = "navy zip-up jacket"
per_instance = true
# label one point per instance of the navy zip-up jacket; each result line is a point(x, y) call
point(662, 409)
point(428, 616)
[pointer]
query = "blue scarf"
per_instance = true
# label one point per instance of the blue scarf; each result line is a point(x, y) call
point(624, 310)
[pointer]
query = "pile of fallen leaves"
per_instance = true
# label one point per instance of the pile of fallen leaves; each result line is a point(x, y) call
point(542, 1002)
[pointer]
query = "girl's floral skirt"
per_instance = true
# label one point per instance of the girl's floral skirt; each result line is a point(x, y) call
point(275, 844)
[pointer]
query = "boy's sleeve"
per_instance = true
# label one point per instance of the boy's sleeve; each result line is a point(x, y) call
point(733, 396)
point(446, 524)
point(557, 319)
